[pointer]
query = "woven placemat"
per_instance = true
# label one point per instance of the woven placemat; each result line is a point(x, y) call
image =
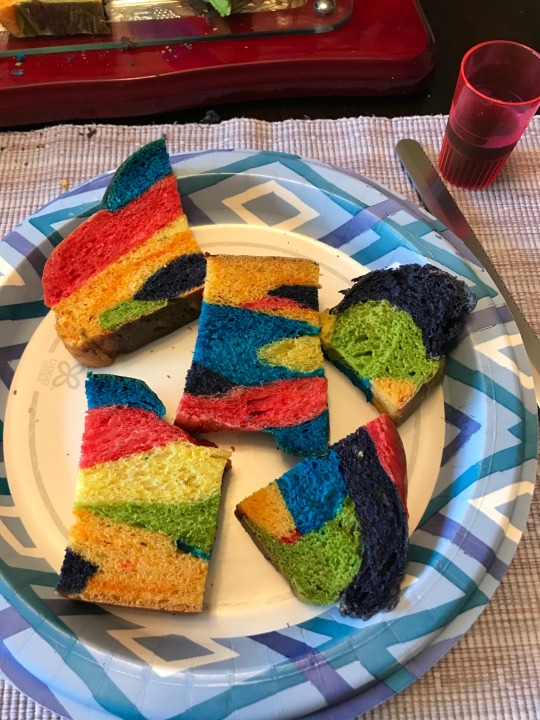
point(494, 671)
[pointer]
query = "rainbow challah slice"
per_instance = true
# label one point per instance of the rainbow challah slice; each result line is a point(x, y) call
point(336, 526)
point(130, 273)
point(146, 504)
point(258, 363)
point(392, 330)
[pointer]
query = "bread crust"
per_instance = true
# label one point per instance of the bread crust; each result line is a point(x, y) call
point(102, 350)
point(170, 607)
point(400, 413)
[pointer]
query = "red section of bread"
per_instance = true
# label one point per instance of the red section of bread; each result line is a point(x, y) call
point(106, 236)
point(390, 452)
point(115, 431)
point(283, 403)
point(289, 539)
point(271, 303)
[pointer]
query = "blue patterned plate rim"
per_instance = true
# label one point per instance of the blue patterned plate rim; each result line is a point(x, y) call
point(466, 538)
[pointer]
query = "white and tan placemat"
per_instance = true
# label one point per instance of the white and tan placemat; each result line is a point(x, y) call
point(494, 671)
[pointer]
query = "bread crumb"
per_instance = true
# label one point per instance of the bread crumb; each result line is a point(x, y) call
point(64, 183)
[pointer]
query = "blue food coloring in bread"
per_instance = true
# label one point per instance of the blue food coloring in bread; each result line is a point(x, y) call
point(305, 295)
point(220, 350)
point(136, 174)
point(202, 381)
point(178, 277)
point(382, 520)
point(319, 480)
point(103, 389)
point(75, 573)
point(303, 438)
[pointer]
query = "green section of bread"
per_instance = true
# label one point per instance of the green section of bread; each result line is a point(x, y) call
point(193, 523)
point(223, 7)
point(321, 564)
point(61, 17)
point(377, 340)
point(128, 311)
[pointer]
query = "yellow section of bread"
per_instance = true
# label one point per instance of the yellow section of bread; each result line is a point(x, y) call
point(77, 316)
point(178, 472)
point(267, 508)
point(137, 567)
point(301, 354)
point(238, 279)
point(8, 17)
point(327, 322)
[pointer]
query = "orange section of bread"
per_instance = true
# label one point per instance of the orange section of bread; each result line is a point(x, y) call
point(268, 509)
point(237, 280)
point(399, 398)
point(77, 316)
point(391, 394)
point(137, 567)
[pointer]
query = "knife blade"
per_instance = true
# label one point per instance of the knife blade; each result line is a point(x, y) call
point(441, 204)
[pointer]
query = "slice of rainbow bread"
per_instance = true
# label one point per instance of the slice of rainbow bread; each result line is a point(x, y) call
point(336, 527)
point(28, 18)
point(130, 273)
point(258, 363)
point(392, 330)
point(146, 504)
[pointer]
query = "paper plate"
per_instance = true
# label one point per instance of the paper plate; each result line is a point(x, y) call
point(256, 651)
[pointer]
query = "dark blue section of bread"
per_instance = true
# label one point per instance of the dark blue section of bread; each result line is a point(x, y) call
point(305, 295)
point(437, 301)
point(136, 174)
point(383, 524)
point(74, 573)
point(200, 380)
point(183, 274)
point(104, 389)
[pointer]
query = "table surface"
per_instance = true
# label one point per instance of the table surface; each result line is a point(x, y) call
point(494, 671)
point(457, 26)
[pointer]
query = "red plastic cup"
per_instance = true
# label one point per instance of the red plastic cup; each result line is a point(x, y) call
point(497, 94)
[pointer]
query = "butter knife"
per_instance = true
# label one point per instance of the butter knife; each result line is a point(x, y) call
point(441, 204)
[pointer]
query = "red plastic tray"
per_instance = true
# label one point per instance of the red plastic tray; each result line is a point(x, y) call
point(386, 48)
